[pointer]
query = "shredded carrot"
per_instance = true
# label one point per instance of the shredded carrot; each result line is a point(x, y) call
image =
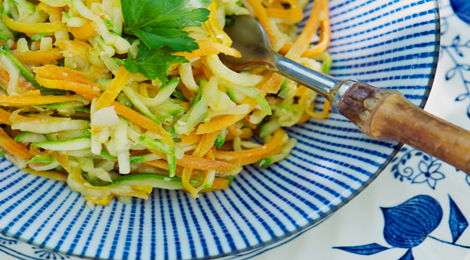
point(113, 90)
point(224, 121)
point(143, 89)
point(271, 83)
point(5, 79)
point(36, 151)
point(12, 147)
point(85, 32)
point(188, 94)
point(325, 34)
point(63, 73)
point(185, 178)
point(190, 139)
point(324, 114)
point(55, 13)
point(204, 49)
point(25, 100)
point(63, 160)
point(305, 117)
point(205, 164)
point(136, 117)
point(302, 42)
point(33, 28)
point(32, 57)
point(4, 117)
point(242, 155)
point(219, 184)
point(53, 175)
point(79, 88)
point(263, 18)
point(213, 27)
point(250, 124)
point(295, 13)
point(205, 144)
point(162, 164)
point(209, 48)
point(199, 163)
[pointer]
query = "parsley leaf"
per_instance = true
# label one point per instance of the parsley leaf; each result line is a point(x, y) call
point(159, 23)
point(152, 63)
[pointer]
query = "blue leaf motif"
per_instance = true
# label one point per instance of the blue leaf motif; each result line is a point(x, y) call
point(456, 40)
point(407, 256)
point(434, 167)
point(423, 167)
point(462, 9)
point(461, 97)
point(451, 73)
point(369, 249)
point(457, 221)
point(408, 224)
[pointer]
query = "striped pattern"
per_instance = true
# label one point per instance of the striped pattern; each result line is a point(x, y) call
point(388, 43)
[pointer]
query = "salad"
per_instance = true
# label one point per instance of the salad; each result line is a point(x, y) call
point(118, 97)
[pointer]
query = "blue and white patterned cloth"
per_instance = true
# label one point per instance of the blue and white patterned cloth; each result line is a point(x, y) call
point(416, 209)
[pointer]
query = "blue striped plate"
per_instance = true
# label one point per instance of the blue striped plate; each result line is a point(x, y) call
point(387, 43)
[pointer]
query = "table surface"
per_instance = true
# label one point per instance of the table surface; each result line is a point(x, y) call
point(416, 209)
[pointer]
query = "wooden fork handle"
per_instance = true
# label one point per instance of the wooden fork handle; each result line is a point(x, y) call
point(387, 114)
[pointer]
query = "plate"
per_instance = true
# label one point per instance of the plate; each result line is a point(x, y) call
point(389, 44)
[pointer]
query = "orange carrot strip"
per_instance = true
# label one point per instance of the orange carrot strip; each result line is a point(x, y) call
point(305, 117)
point(251, 160)
point(76, 87)
point(36, 151)
point(53, 175)
point(63, 73)
point(247, 120)
point(324, 114)
point(23, 100)
point(220, 184)
point(190, 139)
point(136, 117)
point(204, 49)
point(113, 90)
point(162, 164)
point(224, 121)
point(33, 28)
point(205, 144)
point(188, 94)
point(4, 117)
point(5, 79)
point(143, 89)
point(199, 163)
point(55, 13)
point(295, 13)
point(63, 160)
point(205, 164)
point(263, 17)
point(242, 155)
point(213, 27)
point(16, 149)
point(185, 178)
point(32, 57)
point(302, 42)
point(325, 35)
point(85, 32)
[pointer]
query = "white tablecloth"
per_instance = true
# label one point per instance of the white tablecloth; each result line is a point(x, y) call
point(416, 209)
